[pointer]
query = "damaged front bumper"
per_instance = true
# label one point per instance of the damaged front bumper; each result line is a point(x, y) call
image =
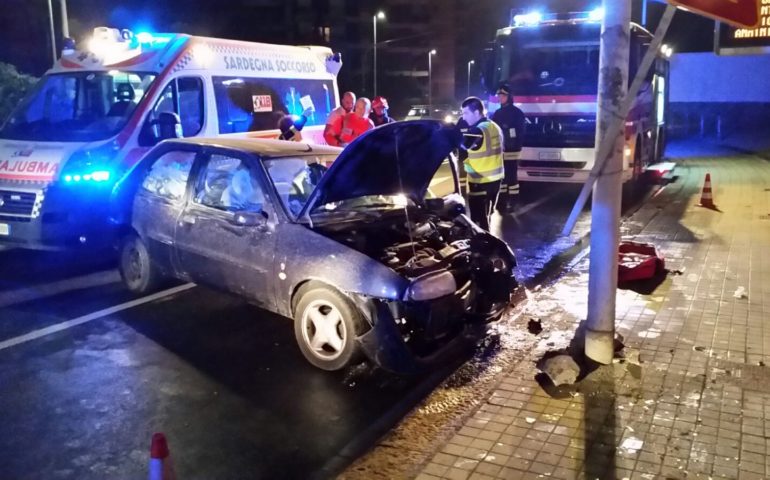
point(443, 329)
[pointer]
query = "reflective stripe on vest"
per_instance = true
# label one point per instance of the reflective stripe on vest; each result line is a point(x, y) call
point(485, 165)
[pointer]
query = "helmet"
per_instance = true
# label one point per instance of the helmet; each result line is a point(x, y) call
point(380, 102)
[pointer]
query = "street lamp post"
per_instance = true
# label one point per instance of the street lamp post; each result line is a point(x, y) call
point(468, 94)
point(53, 32)
point(380, 15)
point(430, 81)
point(65, 28)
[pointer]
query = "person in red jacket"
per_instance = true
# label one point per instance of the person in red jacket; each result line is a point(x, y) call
point(333, 127)
point(355, 123)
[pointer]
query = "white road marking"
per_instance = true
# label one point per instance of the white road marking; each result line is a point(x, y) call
point(21, 295)
point(91, 316)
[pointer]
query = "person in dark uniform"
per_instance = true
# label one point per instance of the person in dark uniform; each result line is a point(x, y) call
point(484, 165)
point(379, 115)
point(511, 121)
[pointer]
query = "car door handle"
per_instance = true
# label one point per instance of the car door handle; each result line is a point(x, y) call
point(187, 219)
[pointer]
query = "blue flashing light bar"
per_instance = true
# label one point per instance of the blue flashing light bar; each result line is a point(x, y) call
point(95, 176)
point(535, 18)
point(153, 38)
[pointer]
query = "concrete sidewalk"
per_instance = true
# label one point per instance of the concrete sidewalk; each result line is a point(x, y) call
point(691, 398)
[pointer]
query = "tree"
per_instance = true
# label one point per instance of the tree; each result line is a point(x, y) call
point(13, 87)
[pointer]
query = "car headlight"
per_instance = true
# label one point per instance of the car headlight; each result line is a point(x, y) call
point(431, 286)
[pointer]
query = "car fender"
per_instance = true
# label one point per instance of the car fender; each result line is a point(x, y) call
point(303, 255)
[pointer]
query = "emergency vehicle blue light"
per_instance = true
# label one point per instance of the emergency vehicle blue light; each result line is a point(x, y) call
point(596, 15)
point(532, 18)
point(95, 176)
point(144, 37)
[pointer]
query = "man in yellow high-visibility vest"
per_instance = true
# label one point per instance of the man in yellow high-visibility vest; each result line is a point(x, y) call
point(484, 165)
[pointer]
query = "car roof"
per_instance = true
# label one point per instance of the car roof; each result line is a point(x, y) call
point(260, 146)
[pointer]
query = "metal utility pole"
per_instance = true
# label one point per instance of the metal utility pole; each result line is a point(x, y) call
point(381, 16)
point(65, 27)
point(605, 209)
point(468, 93)
point(430, 82)
point(53, 32)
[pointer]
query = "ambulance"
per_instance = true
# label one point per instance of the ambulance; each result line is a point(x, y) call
point(100, 108)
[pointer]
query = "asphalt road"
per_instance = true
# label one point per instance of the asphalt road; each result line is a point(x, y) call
point(88, 372)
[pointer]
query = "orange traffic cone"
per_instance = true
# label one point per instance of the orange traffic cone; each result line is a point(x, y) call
point(706, 200)
point(160, 459)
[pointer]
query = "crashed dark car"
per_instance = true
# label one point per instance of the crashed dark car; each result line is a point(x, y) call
point(359, 246)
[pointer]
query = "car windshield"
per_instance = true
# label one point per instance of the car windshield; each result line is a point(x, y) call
point(295, 178)
point(84, 106)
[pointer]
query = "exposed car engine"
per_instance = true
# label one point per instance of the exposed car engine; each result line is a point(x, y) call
point(422, 245)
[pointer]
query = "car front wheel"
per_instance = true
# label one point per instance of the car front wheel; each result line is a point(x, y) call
point(136, 268)
point(326, 325)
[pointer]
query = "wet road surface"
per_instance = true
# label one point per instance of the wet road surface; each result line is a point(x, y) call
point(223, 379)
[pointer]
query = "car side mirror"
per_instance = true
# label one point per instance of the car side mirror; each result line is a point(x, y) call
point(249, 219)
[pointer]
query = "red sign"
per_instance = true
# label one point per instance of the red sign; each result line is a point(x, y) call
point(741, 13)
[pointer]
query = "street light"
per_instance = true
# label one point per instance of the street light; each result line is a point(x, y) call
point(380, 15)
point(430, 81)
point(469, 77)
point(64, 25)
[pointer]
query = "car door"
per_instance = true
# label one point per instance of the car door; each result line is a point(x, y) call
point(159, 201)
point(225, 235)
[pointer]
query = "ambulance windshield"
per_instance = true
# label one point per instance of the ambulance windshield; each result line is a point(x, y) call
point(83, 106)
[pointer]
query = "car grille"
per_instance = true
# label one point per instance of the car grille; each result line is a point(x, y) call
point(13, 203)
point(565, 131)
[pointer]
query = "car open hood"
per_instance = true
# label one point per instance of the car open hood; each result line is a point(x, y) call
point(396, 158)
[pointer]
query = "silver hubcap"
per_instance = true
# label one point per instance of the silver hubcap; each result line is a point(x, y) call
point(323, 330)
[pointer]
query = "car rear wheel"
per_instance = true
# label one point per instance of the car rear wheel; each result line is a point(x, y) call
point(136, 268)
point(326, 325)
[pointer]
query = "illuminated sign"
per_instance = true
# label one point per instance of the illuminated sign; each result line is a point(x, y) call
point(733, 40)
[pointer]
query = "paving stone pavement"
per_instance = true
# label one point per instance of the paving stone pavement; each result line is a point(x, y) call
point(690, 395)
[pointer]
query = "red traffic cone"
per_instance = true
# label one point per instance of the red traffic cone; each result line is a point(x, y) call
point(706, 200)
point(160, 459)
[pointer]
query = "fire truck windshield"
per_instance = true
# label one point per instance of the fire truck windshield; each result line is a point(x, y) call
point(84, 106)
point(549, 60)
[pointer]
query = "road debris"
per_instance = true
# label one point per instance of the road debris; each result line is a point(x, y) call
point(740, 292)
point(561, 369)
point(535, 326)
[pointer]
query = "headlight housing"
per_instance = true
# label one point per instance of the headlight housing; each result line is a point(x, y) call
point(431, 286)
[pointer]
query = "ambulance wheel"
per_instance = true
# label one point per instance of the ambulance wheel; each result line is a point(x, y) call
point(326, 325)
point(137, 270)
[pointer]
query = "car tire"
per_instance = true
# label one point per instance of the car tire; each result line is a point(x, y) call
point(137, 270)
point(333, 346)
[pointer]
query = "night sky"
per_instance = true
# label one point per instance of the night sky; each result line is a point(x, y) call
point(24, 23)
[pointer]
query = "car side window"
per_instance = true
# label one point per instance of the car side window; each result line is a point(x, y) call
point(168, 175)
point(227, 183)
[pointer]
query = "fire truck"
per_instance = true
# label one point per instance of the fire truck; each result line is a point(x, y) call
point(551, 63)
point(101, 107)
